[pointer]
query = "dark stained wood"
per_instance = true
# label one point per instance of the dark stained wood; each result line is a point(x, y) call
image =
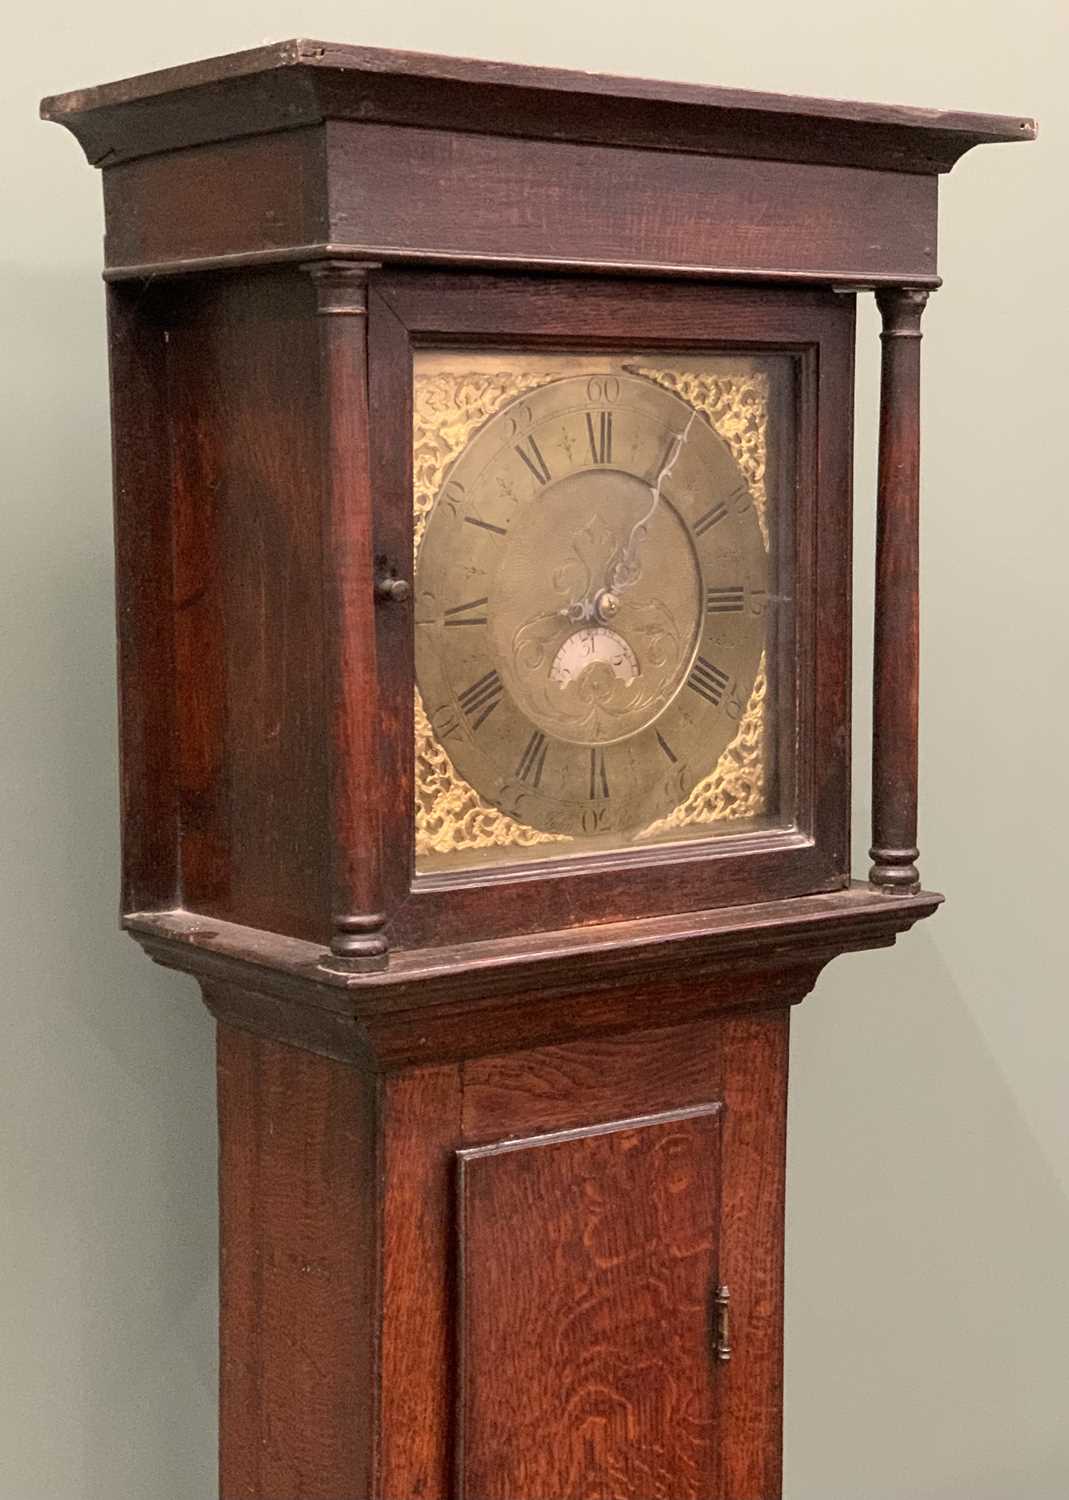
point(204, 503)
point(144, 568)
point(522, 992)
point(385, 193)
point(390, 410)
point(343, 1257)
point(299, 82)
point(265, 194)
point(754, 1064)
point(420, 1132)
point(252, 820)
point(588, 1268)
point(352, 680)
point(247, 611)
point(896, 667)
point(432, 195)
point(297, 1286)
point(561, 1087)
point(478, 1191)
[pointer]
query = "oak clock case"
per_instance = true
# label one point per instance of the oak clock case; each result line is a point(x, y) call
point(484, 578)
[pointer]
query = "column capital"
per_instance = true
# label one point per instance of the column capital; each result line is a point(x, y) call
point(341, 286)
point(901, 308)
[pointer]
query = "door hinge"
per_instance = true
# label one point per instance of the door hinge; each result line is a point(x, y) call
point(722, 1340)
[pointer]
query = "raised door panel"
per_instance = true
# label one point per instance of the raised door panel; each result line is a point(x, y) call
point(588, 1273)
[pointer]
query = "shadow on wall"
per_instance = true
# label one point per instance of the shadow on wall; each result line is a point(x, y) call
point(927, 1244)
point(107, 1147)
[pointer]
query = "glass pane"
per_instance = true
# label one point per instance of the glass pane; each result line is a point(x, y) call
point(602, 601)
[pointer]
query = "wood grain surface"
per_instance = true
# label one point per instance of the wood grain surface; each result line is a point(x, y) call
point(247, 611)
point(896, 638)
point(421, 1127)
point(144, 588)
point(588, 1268)
point(298, 1209)
point(755, 1146)
point(293, 83)
point(396, 194)
point(476, 1203)
point(520, 993)
point(350, 668)
point(496, 1279)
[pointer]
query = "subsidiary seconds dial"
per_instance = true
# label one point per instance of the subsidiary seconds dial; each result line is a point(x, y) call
point(590, 605)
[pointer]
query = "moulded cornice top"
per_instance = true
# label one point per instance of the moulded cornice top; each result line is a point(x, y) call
point(299, 83)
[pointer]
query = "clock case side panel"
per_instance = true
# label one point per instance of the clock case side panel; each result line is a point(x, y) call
point(217, 421)
point(144, 593)
point(410, 310)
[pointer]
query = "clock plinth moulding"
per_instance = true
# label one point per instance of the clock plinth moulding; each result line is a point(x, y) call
point(502, 1140)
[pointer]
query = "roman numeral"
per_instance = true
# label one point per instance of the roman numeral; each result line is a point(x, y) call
point(532, 457)
point(532, 760)
point(666, 747)
point(461, 614)
point(714, 514)
point(708, 681)
point(600, 437)
point(480, 700)
point(725, 601)
point(486, 525)
point(599, 782)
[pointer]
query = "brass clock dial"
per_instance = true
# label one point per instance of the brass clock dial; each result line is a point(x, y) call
point(590, 603)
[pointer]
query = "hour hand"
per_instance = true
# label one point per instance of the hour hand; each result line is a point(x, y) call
point(594, 547)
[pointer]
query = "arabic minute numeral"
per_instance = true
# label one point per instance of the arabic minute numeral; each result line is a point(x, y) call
point(602, 388)
point(741, 498)
point(518, 419)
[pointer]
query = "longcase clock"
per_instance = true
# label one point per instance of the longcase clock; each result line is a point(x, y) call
point(482, 453)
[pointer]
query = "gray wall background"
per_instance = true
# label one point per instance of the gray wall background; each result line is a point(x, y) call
point(929, 1164)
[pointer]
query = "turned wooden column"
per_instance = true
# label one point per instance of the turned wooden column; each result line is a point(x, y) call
point(896, 669)
point(358, 939)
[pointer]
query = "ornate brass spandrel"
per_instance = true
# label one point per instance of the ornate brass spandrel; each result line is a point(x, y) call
point(736, 788)
point(449, 406)
point(737, 406)
point(450, 814)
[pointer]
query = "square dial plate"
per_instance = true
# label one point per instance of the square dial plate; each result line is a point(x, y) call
point(601, 600)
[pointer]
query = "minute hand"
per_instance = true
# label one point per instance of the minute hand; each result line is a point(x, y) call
point(626, 570)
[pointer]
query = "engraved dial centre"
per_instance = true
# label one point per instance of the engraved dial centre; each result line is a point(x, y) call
point(573, 674)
